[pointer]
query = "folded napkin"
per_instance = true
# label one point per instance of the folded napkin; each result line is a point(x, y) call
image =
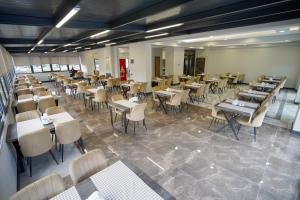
point(95, 196)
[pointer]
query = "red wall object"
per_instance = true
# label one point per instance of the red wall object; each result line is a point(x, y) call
point(123, 69)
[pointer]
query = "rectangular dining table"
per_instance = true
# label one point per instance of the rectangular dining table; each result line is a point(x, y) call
point(119, 181)
point(233, 112)
point(122, 105)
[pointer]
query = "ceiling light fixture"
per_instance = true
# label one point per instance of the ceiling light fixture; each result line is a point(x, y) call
point(45, 52)
point(74, 51)
point(101, 42)
point(101, 33)
point(294, 28)
point(158, 35)
point(282, 31)
point(40, 42)
point(78, 47)
point(66, 45)
point(109, 44)
point(87, 48)
point(67, 17)
point(165, 27)
point(53, 49)
point(29, 52)
point(286, 40)
point(32, 49)
point(65, 51)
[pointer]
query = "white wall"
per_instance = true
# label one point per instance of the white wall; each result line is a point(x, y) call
point(278, 60)
point(141, 69)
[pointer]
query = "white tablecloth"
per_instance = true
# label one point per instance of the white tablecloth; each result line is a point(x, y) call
point(61, 117)
point(126, 103)
point(27, 126)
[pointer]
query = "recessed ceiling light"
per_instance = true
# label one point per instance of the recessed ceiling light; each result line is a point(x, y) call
point(45, 52)
point(101, 33)
point(87, 48)
point(78, 47)
point(101, 42)
point(201, 47)
point(165, 27)
point(29, 52)
point(53, 49)
point(40, 42)
point(294, 28)
point(282, 31)
point(32, 49)
point(286, 40)
point(67, 17)
point(192, 47)
point(65, 51)
point(158, 35)
point(75, 51)
point(66, 45)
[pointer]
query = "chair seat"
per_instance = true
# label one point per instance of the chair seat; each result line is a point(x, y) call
point(117, 111)
point(244, 121)
point(219, 116)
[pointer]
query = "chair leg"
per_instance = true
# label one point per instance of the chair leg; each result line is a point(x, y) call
point(144, 123)
point(211, 122)
point(254, 134)
point(62, 153)
point(116, 117)
point(134, 128)
point(30, 166)
point(51, 153)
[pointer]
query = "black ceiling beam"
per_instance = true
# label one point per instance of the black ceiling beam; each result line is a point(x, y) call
point(29, 41)
point(220, 12)
point(145, 12)
point(238, 16)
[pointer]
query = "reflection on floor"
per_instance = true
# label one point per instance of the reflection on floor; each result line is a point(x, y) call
point(191, 161)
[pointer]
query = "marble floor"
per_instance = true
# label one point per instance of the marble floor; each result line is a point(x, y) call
point(192, 161)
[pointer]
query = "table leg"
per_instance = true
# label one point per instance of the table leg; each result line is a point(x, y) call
point(20, 165)
point(124, 121)
point(230, 123)
point(161, 104)
point(111, 117)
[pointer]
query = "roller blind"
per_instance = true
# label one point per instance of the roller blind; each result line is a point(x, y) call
point(35, 60)
point(45, 60)
point(21, 60)
point(63, 60)
point(73, 60)
point(54, 60)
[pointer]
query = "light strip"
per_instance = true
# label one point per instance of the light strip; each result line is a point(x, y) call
point(67, 45)
point(40, 42)
point(53, 49)
point(165, 27)
point(108, 44)
point(231, 36)
point(78, 47)
point(294, 28)
point(101, 42)
point(67, 17)
point(152, 36)
point(87, 48)
point(65, 51)
point(101, 33)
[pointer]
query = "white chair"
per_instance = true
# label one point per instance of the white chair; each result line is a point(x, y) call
point(216, 116)
point(185, 97)
point(44, 188)
point(137, 114)
point(67, 133)
point(256, 121)
point(175, 101)
point(36, 143)
point(87, 165)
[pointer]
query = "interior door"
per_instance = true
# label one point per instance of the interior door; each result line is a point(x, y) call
point(157, 66)
point(200, 66)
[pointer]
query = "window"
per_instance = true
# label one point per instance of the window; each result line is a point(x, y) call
point(37, 68)
point(76, 67)
point(25, 69)
point(55, 67)
point(64, 67)
point(3, 91)
point(46, 67)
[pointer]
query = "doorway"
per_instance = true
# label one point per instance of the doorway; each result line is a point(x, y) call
point(200, 66)
point(189, 62)
point(157, 66)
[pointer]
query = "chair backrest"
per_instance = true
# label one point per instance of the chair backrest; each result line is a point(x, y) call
point(134, 89)
point(25, 96)
point(87, 165)
point(116, 97)
point(23, 91)
point(110, 82)
point(206, 89)
point(46, 103)
point(38, 89)
point(43, 93)
point(154, 89)
point(137, 113)
point(35, 143)
point(21, 87)
point(259, 116)
point(26, 106)
point(213, 108)
point(143, 87)
point(185, 96)
point(67, 132)
point(55, 110)
point(28, 115)
point(201, 90)
point(101, 95)
point(176, 99)
point(44, 188)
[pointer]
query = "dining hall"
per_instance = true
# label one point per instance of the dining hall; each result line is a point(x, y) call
point(161, 99)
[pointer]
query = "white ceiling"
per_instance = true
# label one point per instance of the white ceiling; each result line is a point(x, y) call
point(258, 35)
